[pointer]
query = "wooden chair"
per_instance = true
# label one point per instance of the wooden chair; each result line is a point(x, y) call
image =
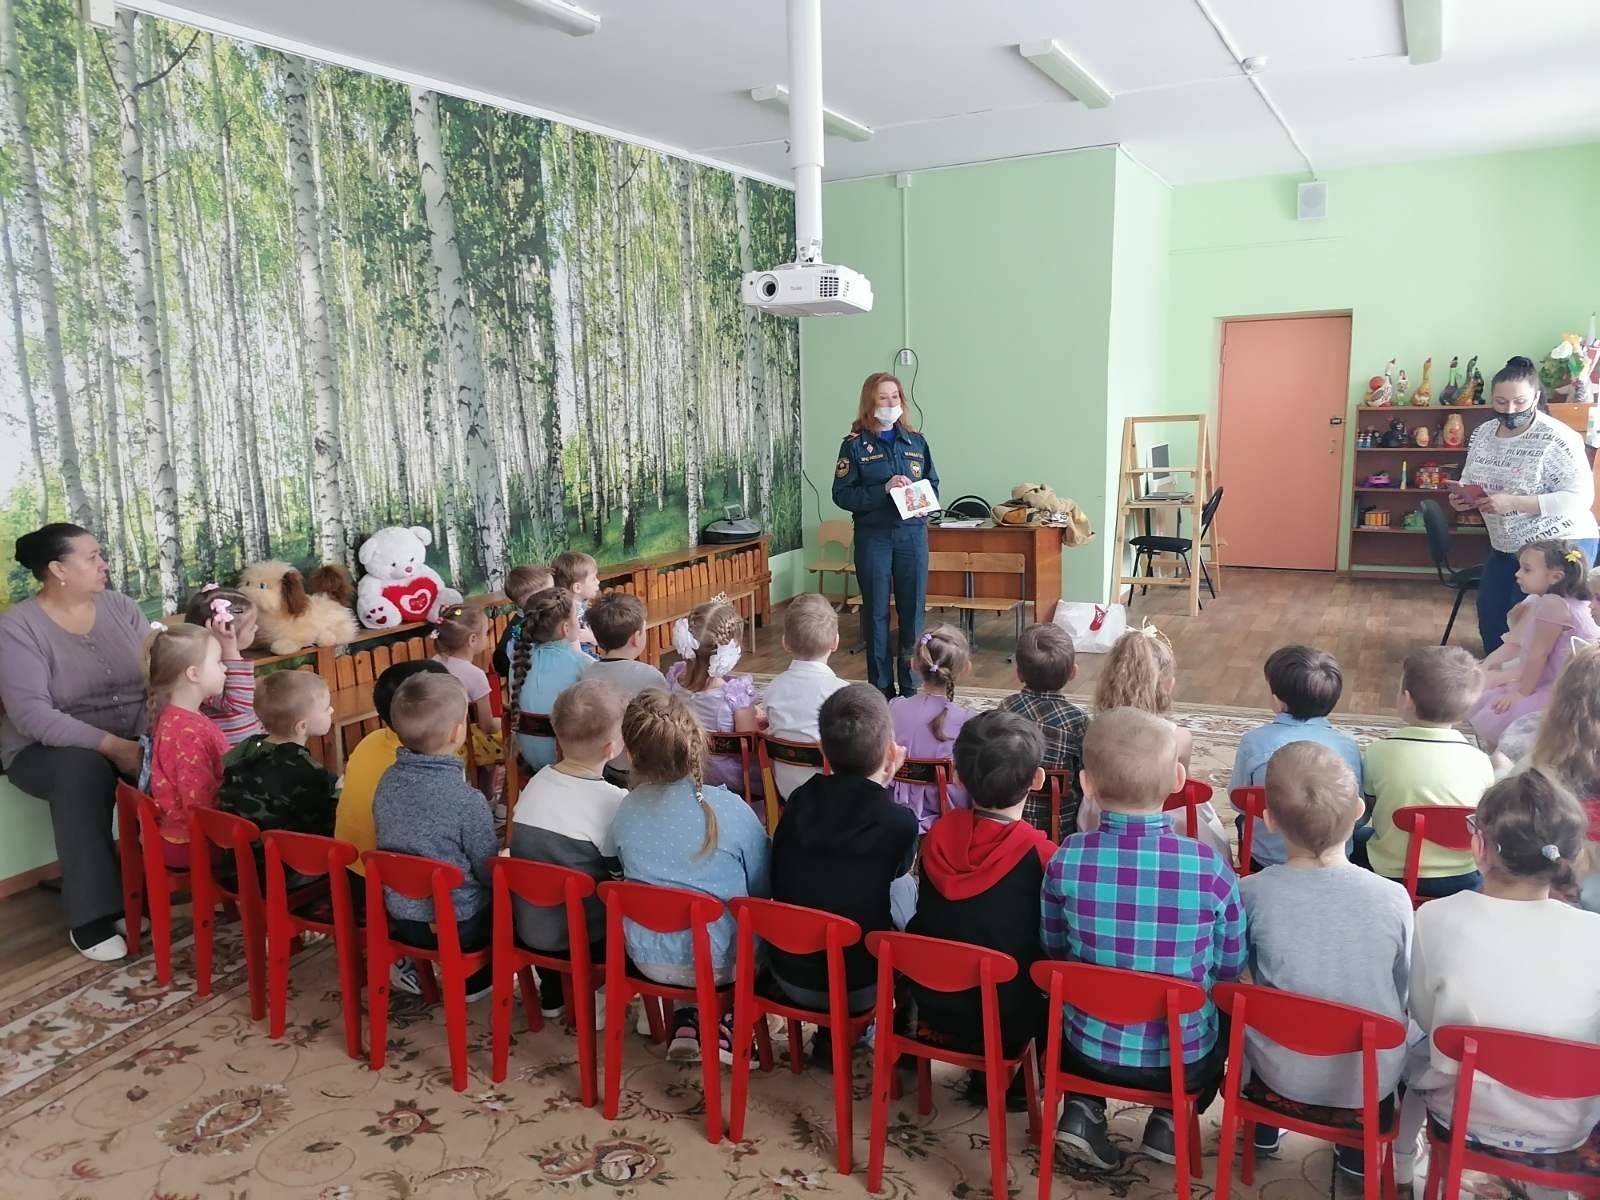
point(929, 772)
point(533, 725)
point(843, 535)
point(969, 603)
point(1060, 783)
point(769, 750)
point(746, 748)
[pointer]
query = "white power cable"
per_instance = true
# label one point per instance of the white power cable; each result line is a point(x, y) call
point(1234, 52)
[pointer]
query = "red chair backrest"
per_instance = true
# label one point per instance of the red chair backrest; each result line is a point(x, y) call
point(659, 909)
point(136, 808)
point(306, 853)
point(1192, 794)
point(412, 876)
point(548, 886)
point(1252, 802)
point(1114, 995)
point(1305, 1024)
point(938, 965)
point(792, 928)
point(224, 829)
point(1546, 1068)
point(1443, 825)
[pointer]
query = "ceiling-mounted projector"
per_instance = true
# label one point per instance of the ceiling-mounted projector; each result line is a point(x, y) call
point(807, 290)
point(806, 287)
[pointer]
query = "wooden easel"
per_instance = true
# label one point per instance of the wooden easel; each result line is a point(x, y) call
point(1133, 503)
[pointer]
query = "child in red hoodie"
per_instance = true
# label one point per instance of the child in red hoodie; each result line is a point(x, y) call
point(982, 868)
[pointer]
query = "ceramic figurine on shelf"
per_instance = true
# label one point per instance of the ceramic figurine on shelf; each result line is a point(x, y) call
point(1395, 437)
point(1455, 431)
point(1364, 440)
point(1423, 396)
point(1472, 388)
point(1452, 387)
point(1578, 357)
point(1412, 520)
point(1402, 389)
point(1378, 479)
point(1380, 388)
point(1422, 437)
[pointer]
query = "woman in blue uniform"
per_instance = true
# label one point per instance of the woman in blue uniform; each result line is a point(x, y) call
point(884, 452)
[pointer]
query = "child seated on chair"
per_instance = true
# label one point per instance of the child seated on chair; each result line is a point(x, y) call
point(981, 871)
point(270, 778)
point(1305, 684)
point(617, 621)
point(544, 666)
point(672, 830)
point(844, 846)
point(1509, 957)
point(1137, 895)
point(1322, 927)
point(1427, 762)
point(231, 617)
point(462, 632)
point(794, 698)
point(182, 669)
point(521, 583)
point(1046, 663)
point(579, 574)
point(707, 642)
point(425, 806)
point(927, 723)
point(564, 817)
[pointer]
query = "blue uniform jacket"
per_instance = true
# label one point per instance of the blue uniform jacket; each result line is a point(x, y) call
point(866, 463)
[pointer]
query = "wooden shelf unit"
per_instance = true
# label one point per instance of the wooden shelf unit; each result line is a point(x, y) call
point(1131, 500)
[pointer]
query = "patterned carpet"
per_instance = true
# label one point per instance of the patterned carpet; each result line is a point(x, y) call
point(113, 1087)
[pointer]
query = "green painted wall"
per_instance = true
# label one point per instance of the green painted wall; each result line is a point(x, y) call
point(1490, 255)
point(1000, 277)
point(26, 841)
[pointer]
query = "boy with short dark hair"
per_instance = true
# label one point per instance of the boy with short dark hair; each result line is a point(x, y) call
point(1046, 663)
point(844, 846)
point(1137, 895)
point(1305, 684)
point(270, 778)
point(617, 621)
point(1427, 762)
point(795, 696)
point(521, 582)
point(425, 806)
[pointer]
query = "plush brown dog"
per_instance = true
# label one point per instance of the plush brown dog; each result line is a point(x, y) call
point(293, 617)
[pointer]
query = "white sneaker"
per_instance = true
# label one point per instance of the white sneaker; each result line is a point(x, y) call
point(121, 924)
point(109, 950)
point(482, 993)
point(403, 977)
point(599, 1009)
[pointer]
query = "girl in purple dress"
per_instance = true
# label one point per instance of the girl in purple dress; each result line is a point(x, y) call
point(926, 724)
point(707, 642)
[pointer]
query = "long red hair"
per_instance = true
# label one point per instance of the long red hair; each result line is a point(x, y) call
point(869, 401)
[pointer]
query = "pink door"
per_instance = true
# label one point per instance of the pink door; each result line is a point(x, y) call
point(1280, 440)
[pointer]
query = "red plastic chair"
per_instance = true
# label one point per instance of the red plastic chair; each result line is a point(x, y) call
point(1189, 797)
point(1059, 783)
point(238, 838)
point(418, 878)
point(1444, 825)
point(1252, 802)
point(551, 887)
point(771, 749)
point(794, 930)
point(146, 877)
point(1545, 1068)
point(1308, 1026)
point(1118, 997)
point(662, 910)
point(930, 772)
point(309, 854)
point(942, 966)
point(746, 747)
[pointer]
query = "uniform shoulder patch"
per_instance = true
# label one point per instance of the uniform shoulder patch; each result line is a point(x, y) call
point(842, 468)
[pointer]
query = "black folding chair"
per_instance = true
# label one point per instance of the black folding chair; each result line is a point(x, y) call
point(1147, 546)
point(1458, 580)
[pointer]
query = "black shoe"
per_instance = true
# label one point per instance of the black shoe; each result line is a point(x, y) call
point(1159, 1141)
point(1268, 1140)
point(822, 1050)
point(974, 1092)
point(889, 693)
point(1083, 1132)
point(1350, 1161)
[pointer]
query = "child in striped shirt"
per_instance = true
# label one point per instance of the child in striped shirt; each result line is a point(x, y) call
point(231, 617)
point(1104, 892)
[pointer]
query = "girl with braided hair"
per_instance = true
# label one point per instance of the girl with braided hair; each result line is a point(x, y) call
point(927, 723)
point(707, 642)
point(676, 830)
point(544, 665)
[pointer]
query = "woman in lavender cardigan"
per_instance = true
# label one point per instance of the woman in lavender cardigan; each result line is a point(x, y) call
point(72, 684)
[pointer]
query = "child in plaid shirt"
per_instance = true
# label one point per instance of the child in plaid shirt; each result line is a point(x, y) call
point(1046, 663)
point(1137, 895)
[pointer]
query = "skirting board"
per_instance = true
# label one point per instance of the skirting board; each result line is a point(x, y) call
point(28, 879)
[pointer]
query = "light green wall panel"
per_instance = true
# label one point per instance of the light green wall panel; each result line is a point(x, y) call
point(27, 841)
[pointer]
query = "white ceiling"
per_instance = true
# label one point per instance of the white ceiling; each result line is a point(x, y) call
point(940, 81)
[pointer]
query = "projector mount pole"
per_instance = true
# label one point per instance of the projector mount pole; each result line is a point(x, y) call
point(805, 126)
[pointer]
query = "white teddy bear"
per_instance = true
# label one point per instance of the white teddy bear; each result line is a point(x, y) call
point(399, 586)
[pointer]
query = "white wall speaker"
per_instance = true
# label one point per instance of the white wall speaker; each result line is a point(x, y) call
point(1311, 201)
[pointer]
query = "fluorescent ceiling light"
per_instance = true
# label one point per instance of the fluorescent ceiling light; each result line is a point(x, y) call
point(1051, 58)
point(559, 14)
point(776, 96)
point(1424, 30)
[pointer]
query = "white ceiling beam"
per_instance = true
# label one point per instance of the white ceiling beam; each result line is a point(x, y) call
point(1050, 57)
point(776, 97)
point(1424, 30)
point(562, 15)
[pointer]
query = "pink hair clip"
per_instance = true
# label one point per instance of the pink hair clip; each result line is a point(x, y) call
point(925, 639)
point(221, 610)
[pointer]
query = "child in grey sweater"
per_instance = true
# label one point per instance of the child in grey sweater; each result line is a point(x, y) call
point(424, 806)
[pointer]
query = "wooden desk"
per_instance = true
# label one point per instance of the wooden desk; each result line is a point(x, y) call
point(1038, 585)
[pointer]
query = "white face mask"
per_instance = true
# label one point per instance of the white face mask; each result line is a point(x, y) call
point(887, 416)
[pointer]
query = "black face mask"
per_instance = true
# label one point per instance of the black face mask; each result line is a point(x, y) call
point(1515, 420)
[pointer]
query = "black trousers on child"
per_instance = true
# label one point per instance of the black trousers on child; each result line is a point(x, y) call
point(474, 933)
point(1204, 1075)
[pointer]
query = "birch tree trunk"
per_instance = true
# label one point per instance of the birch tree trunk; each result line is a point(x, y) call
point(332, 544)
point(164, 479)
point(491, 525)
point(41, 268)
point(557, 337)
point(755, 361)
point(690, 307)
point(205, 535)
point(619, 292)
point(24, 376)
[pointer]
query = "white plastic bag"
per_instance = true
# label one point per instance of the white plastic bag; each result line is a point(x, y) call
point(1093, 628)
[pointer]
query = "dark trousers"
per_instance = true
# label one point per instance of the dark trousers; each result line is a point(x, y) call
point(81, 788)
point(474, 933)
point(1436, 888)
point(892, 562)
point(1498, 593)
point(1204, 1075)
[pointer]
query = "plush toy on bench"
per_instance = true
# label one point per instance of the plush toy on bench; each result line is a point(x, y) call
point(295, 613)
point(399, 585)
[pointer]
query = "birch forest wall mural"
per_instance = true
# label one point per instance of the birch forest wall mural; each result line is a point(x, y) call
point(257, 307)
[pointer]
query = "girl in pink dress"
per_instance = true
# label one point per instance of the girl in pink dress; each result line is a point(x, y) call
point(707, 642)
point(183, 669)
point(1521, 674)
point(926, 724)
